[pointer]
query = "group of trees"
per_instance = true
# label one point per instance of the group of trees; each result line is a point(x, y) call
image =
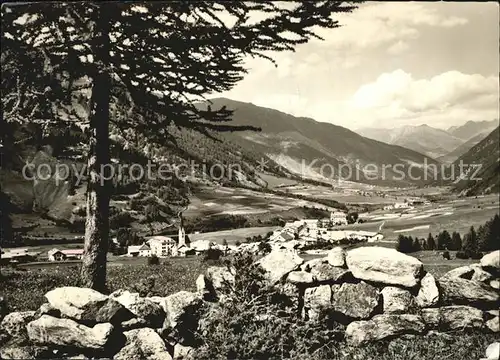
point(486, 238)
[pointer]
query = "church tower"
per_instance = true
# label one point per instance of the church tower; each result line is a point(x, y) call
point(182, 232)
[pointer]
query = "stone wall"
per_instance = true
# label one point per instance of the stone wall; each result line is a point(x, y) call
point(377, 293)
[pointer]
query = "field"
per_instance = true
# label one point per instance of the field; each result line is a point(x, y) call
point(233, 236)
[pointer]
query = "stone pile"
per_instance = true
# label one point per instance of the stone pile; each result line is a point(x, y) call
point(377, 293)
point(79, 323)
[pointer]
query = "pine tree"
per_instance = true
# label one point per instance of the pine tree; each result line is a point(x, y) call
point(431, 243)
point(470, 244)
point(135, 68)
point(456, 242)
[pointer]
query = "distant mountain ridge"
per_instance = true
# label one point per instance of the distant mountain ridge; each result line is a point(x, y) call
point(311, 149)
point(472, 129)
point(422, 138)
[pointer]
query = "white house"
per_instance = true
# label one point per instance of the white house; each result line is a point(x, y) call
point(70, 254)
point(162, 246)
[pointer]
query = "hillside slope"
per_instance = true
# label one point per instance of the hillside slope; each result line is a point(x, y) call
point(316, 150)
point(484, 176)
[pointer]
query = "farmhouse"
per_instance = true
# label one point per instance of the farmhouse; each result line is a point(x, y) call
point(60, 255)
point(18, 256)
point(139, 250)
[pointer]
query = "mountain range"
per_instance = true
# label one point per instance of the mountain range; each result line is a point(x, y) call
point(318, 150)
point(443, 145)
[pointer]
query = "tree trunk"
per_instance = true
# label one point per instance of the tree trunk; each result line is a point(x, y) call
point(93, 272)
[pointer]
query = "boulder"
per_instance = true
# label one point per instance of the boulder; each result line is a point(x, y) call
point(48, 330)
point(143, 344)
point(328, 274)
point(47, 309)
point(202, 286)
point(467, 292)
point(492, 320)
point(383, 326)
point(386, 266)
point(288, 294)
point(182, 352)
point(12, 351)
point(453, 317)
point(493, 324)
point(396, 300)
point(86, 305)
point(428, 294)
point(181, 307)
point(495, 284)
point(491, 261)
point(134, 323)
point(300, 278)
point(336, 257)
point(355, 301)
point(469, 272)
point(462, 272)
point(142, 308)
point(219, 276)
point(316, 300)
point(493, 351)
point(277, 264)
point(15, 323)
point(308, 265)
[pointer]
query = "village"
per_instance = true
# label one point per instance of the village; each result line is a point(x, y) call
point(298, 236)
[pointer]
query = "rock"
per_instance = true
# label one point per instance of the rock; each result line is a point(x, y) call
point(300, 278)
point(480, 274)
point(326, 273)
point(86, 305)
point(355, 301)
point(469, 272)
point(493, 324)
point(180, 307)
point(495, 284)
point(219, 276)
point(383, 326)
point(396, 300)
point(386, 266)
point(182, 352)
point(336, 257)
point(15, 323)
point(48, 330)
point(467, 292)
point(428, 294)
point(288, 295)
point(308, 265)
point(202, 286)
point(143, 308)
point(491, 260)
point(134, 323)
point(462, 272)
point(143, 344)
point(316, 300)
point(492, 320)
point(16, 352)
point(453, 317)
point(493, 351)
point(277, 264)
point(47, 309)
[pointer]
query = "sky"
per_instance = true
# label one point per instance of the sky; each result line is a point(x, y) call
point(389, 65)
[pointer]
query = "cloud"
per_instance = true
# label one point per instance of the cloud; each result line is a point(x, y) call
point(398, 48)
point(397, 96)
point(377, 24)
